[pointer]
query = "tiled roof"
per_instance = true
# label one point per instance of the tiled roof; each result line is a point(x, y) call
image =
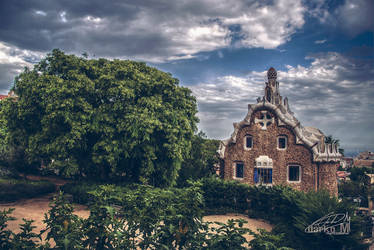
point(3, 97)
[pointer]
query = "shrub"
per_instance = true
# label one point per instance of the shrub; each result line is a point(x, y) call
point(15, 189)
point(64, 227)
point(79, 191)
point(5, 241)
point(223, 196)
point(289, 210)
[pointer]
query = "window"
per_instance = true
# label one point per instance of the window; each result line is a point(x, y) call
point(282, 142)
point(239, 170)
point(263, 175)
point(248, 142)
point(263, 171)
point(294, 173)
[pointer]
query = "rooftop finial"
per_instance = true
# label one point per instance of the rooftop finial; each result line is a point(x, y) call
point(272, 73)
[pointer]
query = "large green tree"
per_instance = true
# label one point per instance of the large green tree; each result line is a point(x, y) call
point(202, 160)
point(103, 118)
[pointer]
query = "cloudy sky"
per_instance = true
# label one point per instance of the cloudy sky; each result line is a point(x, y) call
point(323, 51)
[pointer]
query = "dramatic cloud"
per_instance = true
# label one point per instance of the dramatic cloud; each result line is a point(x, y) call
point(12, 62)
point(356, 16)
point(148, 30)
point(351, 16)
point(334, 93)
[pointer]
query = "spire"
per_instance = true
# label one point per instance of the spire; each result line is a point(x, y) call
point(272, 74)
point(271, 90)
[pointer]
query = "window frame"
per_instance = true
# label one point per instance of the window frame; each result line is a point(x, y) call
point(263, 164)
point(245, 142)
point(263, 169)
point(235, 170)
point(286, 142)
point(288, 173)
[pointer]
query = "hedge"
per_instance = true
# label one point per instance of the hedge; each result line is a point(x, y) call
point(15, 189)
point(290, 211)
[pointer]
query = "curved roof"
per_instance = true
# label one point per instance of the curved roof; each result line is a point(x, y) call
point(311, 137)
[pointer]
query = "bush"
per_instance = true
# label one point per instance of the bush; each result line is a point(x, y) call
point(15, 189)
point(146, 218)
point(223, 196)
point(79, 191)
point(289, 210)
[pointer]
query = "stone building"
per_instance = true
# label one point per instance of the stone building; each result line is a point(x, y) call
point(270, 147)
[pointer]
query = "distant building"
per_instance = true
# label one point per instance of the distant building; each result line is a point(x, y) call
point(343, 175)
point(271, 147)
point(346, 162)
point(364, 159)
point(10, 94)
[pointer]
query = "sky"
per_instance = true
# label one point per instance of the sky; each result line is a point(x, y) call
point(323, 52)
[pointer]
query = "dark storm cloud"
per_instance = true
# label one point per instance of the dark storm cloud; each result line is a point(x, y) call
point(147, 30)
point(335, 93)
point(356, 16)
point(351, 17)
point(43, 25)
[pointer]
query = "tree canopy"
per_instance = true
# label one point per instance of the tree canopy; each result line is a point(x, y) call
point(103, 118)
point(202, 160)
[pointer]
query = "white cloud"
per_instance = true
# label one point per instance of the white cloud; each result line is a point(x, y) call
point(320, 41)
point(63, 16)
point(268, 26)
point(40, 12)
point(158, 32)
point(334, 93)
point(12, 61)
point(197, 26)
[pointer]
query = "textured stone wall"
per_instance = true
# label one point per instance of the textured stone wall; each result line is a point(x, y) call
point(327, 177)
point(265, 143)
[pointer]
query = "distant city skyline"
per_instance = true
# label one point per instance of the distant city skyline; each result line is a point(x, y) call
point(323, 52)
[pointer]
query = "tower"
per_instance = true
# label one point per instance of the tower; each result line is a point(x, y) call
point(272, 88)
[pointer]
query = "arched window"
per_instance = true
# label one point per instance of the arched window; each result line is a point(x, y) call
point(263, 171)
point(282, 142)
point(248, 142)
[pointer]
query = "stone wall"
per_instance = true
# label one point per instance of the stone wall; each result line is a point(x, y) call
point(327, 177)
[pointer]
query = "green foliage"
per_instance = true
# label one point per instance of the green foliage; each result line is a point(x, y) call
point(15, 189)
point(103, 119)
point(64, 227)
point(358, 174)
point(80, 191)
point(228, 236)
point(313, 206)
point(358, 186)
point(201, 161)
point(223, 196)
point(5, 235)
point(143, 217)
point(12, 155)
point(290, 211)
point(162, 218)
point(268, 241)
point(26, 238)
